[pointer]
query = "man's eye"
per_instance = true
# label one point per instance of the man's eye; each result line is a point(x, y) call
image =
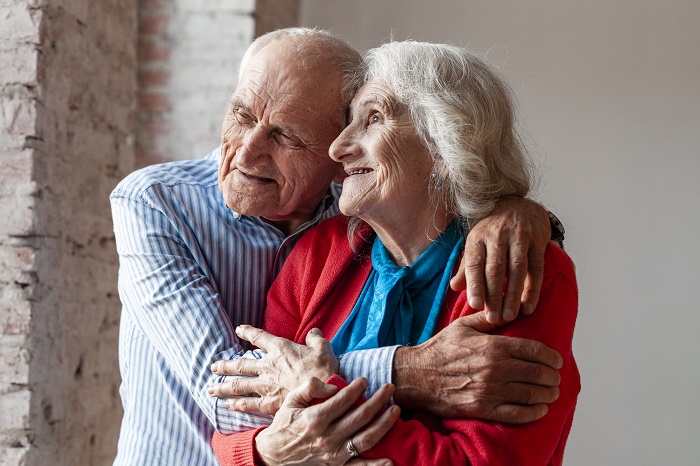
point(288, 141)
point(243, 118)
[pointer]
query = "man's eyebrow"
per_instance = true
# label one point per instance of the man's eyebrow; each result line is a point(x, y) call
point(237, 102)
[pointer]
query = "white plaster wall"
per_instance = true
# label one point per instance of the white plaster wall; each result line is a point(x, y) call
point(610, 101)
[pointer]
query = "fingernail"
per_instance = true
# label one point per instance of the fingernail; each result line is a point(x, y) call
point(228, 404)
point(210, 390)
point(215, 367)
point(491, 317)
point(509, 314)
point(475, 302)
point(526, 308)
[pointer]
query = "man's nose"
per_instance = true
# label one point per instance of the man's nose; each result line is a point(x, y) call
point(255, 147)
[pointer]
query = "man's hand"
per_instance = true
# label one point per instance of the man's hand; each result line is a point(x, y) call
point(286, 365)
point(308, 434)
point(462, 373)
point(509, 242)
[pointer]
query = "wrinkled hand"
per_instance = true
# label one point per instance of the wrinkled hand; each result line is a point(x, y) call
point(306, 434)
point(286, 365)
point(463, 373)
point(509, 242)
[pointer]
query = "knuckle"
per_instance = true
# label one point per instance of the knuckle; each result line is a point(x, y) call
point(518, 264)
point(495, 266)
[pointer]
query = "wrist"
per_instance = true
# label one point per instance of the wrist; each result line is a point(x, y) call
point(409, 387)
point(261, 449)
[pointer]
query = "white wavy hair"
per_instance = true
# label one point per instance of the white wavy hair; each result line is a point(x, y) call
point(463, 111)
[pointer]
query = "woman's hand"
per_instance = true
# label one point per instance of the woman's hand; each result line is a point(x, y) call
point(284, 368)
point(310, 434)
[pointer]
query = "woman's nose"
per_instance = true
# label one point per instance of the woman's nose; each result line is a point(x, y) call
point(344, 145)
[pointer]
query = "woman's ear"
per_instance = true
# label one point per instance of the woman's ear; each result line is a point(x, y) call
point(439, 173)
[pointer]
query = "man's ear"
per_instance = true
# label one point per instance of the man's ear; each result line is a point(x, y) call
point(340, 174)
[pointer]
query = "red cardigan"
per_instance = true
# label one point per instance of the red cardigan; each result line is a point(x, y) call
point(318, 287)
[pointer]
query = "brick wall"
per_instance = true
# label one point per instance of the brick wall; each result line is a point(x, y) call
point(69, 94)
point(67, 105)
point(188, 59)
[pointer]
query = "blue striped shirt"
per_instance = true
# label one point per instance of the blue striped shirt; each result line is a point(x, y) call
point(190, 270)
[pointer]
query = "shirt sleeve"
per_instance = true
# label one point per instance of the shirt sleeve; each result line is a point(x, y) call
point(170, 298)
point(375, 364)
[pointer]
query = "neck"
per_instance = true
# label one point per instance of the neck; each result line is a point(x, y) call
point(407, 236)
point(287, 227)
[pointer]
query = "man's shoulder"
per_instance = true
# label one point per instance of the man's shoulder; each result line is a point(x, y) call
point(196, 173)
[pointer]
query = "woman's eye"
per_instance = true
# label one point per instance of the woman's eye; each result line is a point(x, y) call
point(374, 118)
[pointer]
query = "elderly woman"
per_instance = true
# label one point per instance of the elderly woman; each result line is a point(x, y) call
point(429, 147)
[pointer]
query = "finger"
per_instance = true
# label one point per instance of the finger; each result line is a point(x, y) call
point(474, 265)
point(237, 386)
point(517, 271)
point(259, 337)
point(517, 414)
point(240, 366)
point(248, 404)
point(496, 259)
point(312, 389)
point(252, 405)
point(364, 462)
point(476, 321)
point(315, 338)
point(533, 282)
point(369, 437)
point(534, 351)
point(527, 394)
point(363, 414)
point(459, 281)
point(530, 373)
point(338, 405)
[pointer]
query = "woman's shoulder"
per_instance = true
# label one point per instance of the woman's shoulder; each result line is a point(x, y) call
point(557, 262)
point(332, 234)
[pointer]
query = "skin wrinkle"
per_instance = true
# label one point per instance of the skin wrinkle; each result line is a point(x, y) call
point(276, 131)
point(396, 192)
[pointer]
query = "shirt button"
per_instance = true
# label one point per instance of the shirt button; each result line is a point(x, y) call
point(236, 215)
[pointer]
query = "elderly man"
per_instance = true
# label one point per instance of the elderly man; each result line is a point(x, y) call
point(200, 242)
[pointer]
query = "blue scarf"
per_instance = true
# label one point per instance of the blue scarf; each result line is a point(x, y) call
point(401, 305)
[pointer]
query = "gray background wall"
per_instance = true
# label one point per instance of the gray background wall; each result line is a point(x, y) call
point(610, 102)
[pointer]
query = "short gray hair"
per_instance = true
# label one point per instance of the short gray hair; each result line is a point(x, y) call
point(463, 111)
point(319, 44)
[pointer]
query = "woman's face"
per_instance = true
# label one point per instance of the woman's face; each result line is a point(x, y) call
point(387, 165)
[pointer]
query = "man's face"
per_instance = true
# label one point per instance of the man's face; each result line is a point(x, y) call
point(276, 135)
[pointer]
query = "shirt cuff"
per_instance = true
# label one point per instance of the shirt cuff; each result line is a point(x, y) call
point(376, 364)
